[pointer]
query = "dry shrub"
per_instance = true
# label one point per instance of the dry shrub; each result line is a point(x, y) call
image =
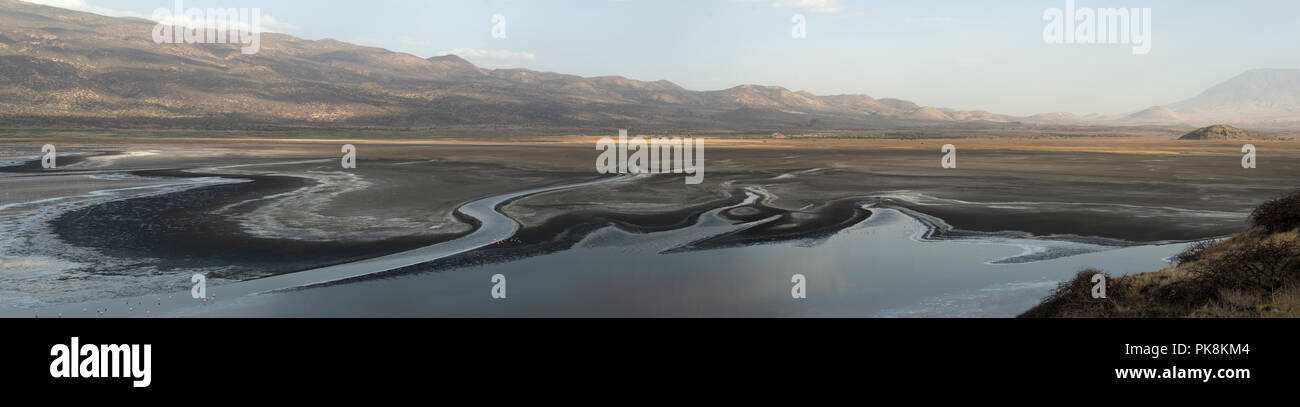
point(1073, 298)
point(1262, 265)
point(1281, 214)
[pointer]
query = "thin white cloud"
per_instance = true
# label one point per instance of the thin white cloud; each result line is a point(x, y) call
point(274, 25)
point(82, 5)
point(269, 23)
point(492, 58)
point(807, 6)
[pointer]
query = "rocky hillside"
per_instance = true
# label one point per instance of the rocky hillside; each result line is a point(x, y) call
point(62, 68)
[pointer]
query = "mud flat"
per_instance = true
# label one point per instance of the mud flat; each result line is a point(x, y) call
point(141, 217)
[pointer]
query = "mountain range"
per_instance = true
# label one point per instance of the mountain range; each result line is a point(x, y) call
point(1260, 98)
point(63, 68)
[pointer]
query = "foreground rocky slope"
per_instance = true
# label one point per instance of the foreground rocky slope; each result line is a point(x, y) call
point(1255, 273)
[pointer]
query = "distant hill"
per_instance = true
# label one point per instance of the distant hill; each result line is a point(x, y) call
point(927, 114)
point(1218, 132)
point(1055, 117)
point(1266, 98)
point(1259, 94)
point(62, 68)
point(1155, 115)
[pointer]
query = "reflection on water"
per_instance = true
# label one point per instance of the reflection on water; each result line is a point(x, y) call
point(876, 268)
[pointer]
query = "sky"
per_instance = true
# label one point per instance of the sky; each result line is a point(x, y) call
point(962, 54)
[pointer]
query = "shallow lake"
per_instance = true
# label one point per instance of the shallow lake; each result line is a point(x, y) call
point(876, 269)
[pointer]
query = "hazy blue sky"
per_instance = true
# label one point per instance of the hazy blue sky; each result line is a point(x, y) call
point(965, 54)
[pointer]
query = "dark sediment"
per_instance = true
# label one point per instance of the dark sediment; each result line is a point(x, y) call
point(163, 230)
point(1092, 227)
point(558, 234)
point(823, 222)
point(565, 231)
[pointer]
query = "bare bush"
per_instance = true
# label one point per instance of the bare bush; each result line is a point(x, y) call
point(1073, 298)
point(1258, 265)
point(1281, 214)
